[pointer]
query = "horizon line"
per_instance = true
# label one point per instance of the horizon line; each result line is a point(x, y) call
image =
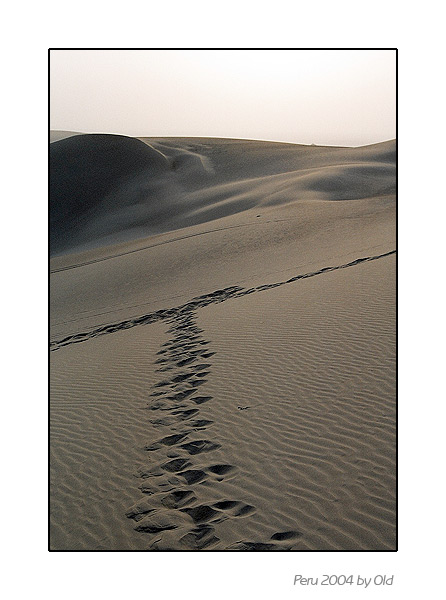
point(216, 138)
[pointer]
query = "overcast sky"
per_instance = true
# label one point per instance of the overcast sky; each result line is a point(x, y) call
point(333, 97)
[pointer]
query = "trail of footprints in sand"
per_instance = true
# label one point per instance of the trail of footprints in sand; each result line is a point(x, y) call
point(217, 296)
point(180, 462)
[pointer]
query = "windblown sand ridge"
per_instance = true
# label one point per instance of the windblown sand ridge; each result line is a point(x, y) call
point(106, 188)
point(228, 385)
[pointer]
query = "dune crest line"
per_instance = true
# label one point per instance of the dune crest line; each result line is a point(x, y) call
point(199, 302)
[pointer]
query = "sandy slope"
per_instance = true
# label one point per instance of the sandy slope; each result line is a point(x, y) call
point(106, 189)
point(98, 394)
point(223, 336)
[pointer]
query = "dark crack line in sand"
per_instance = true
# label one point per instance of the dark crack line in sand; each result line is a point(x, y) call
point(184, 237)
point(199, 302)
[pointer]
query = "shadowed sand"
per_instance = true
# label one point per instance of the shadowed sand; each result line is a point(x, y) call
point(223, 336)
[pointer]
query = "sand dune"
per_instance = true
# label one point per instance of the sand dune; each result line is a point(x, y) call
point(106, 189)
point(86, 170)
point(223, 345)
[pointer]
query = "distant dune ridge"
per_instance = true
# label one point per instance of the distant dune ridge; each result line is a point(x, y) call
point(108, 189)
point(222, 328)
point(87, 174)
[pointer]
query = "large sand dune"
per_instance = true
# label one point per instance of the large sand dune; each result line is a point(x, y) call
point(106, 189)
point(223, 336)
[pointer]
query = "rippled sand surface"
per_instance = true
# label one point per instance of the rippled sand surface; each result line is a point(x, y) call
point(228, 383)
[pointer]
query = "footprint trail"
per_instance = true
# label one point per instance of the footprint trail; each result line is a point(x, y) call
point(171, 515)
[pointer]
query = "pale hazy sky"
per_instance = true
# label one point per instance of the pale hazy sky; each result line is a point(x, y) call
point(333, 97)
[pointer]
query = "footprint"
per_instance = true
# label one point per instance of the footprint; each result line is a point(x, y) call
point(201, 423)
point(181, 395)
point(163, 383)
point(201, 399)
point(178, 464)
point(225, 504)
point(196, 383)
point(201, 366)
point(203, 353)
point(244, 510)
point(201, 513)
point(193, 476)
point(160, 521)
point(202, 374)
point(199, 446)
point(169, 440)
point(221, 469)
point(163, 406)
point(160, 361)
point(186, 361)
point(285, 535)
point(235, 508)
point(178, 498)
point(182, 377)
point(139, 510)
point(185, 414)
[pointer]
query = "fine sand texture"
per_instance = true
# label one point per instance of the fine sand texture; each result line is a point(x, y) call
point(222, 345)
